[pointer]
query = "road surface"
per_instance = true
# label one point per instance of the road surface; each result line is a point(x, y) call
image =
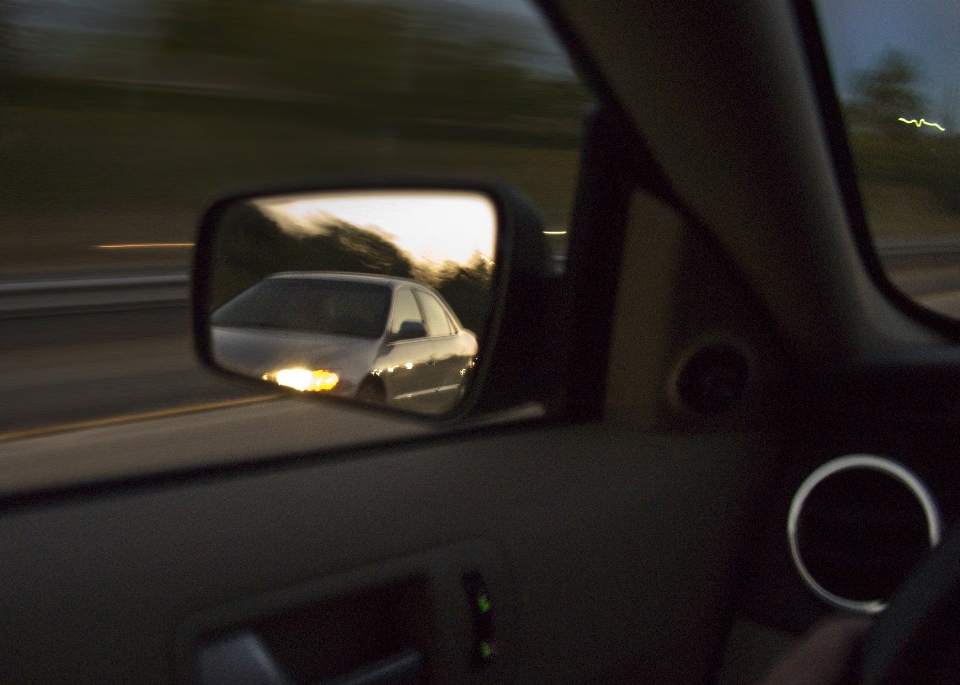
point(72, 368)
point(124, 390)
point(111, 395)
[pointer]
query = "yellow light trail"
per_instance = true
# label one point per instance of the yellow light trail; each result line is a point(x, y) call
point(554, 232)
point(923, 122)
point(129, 245)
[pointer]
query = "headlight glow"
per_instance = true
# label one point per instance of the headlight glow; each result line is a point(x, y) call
point(304, 379)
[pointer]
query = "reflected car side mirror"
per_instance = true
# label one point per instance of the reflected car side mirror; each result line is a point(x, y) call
point(409, 330)
point(295, 286)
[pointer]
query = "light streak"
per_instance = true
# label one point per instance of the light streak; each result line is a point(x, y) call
point(129, 245)
point(923, 122)
point(554, 232)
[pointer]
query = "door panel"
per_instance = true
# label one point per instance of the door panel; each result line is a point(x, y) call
point(613, 542)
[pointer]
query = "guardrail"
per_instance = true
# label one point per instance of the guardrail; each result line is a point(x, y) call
point(52, 297)
point(926, 247)
point(72, 295)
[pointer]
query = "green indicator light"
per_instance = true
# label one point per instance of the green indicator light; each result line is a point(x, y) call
point(485, 650)
point(484, 603)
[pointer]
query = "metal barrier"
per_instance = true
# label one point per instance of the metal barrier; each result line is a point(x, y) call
point(915, 247)
point(91, 293)
point(52, 297)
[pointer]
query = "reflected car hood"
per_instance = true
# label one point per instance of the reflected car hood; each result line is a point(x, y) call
point(254, 351)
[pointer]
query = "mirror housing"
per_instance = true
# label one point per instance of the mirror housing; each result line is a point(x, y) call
point(522, 332)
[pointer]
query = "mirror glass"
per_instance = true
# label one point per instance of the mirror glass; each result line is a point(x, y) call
point(380, 296)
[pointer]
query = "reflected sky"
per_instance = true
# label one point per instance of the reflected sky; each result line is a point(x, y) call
point(430, 226)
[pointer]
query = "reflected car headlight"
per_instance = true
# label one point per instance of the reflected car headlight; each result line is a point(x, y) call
point(304, 379)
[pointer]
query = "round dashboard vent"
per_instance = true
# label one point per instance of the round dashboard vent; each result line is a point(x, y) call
point(857, 526)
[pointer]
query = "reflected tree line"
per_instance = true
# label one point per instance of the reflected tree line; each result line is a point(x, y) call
point(256, 247)
point(888, 150)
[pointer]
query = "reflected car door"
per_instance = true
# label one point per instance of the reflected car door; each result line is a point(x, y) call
point(405, 366)
point(446, 357)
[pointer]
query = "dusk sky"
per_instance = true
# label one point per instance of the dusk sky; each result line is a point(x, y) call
point(419, 222)
point(857, 32)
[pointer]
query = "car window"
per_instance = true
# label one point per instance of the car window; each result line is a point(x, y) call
point(309, 305)
point(121, 121)
point(896, 67)
point(436, 317)
point(404, 309)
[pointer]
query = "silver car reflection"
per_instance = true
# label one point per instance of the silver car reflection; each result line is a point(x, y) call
point(384, 340)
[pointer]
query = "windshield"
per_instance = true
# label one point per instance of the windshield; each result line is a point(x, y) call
point(309, 306)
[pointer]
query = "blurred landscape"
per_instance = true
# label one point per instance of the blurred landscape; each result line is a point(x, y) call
point(120, 121)
point(909, 173)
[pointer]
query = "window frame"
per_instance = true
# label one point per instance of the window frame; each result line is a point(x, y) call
point(393, 311)
point(420, 292)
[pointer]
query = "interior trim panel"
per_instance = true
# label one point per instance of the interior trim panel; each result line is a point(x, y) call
point(614, 541)
point(903, 409)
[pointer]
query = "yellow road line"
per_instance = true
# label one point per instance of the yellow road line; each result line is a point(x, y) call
point(127, 418)
point(117, 247)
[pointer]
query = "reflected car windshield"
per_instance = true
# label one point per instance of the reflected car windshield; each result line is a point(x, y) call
point(309, 305)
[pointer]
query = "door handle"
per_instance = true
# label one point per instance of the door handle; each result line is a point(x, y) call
point(405, 668)
point(240, 659)
point(243, 659)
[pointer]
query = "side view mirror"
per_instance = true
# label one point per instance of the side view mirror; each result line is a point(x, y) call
point(304, 287)
point(410, 330)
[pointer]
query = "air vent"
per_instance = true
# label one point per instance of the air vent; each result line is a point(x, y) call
point(857, 527)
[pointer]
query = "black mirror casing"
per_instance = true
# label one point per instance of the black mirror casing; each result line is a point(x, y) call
point(522, 344)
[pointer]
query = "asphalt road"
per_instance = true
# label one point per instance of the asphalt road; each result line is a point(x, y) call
point(72, 372)
point(194, 438)
point(113, 395)
point(77, 368)
point(95, 396)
